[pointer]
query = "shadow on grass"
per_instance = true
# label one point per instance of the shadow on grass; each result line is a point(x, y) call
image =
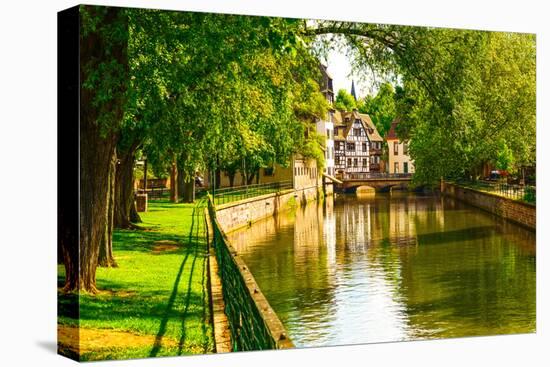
point(194, 235)
point(135, 303)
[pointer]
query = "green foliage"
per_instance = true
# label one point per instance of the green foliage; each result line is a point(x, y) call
point(214, 90)
point(312, 149)
point(530, 195)
point(344, 101)
point(505, 157)
point(463, 91)
point(381, 108)
point(104, 67)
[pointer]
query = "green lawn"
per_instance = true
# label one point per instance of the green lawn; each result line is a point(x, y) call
point(157, 290)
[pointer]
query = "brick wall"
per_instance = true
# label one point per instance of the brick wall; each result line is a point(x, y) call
point(518, 212)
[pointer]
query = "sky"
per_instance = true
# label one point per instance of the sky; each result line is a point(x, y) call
point(339, 68)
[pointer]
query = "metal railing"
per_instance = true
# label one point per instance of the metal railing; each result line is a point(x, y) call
point(237, 193)
point(375, 175)
point(524, 193)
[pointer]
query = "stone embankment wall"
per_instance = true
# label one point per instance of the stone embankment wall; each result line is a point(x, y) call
point(245, 212)
point(252, 322)
point(513, 210)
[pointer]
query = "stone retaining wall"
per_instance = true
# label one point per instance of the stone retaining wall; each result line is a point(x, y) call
point(252, 322)
point(237, 214)
point(516, 211)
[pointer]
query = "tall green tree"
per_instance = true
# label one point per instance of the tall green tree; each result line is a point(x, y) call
point(344, 101)
point(103, 74)
point(381, 107)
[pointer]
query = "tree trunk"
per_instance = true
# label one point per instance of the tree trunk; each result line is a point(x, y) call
point(97, 147)
point(106, 258)
point(181, 183)
point(189, 191)
point(218, 178)
point(174, 183)
point(134, 215)
point(124, 189)
point(251, 177)
point(95, 156)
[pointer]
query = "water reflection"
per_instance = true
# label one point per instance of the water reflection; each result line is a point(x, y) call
point(389, 268)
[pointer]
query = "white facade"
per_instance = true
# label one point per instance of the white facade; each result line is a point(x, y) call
point(326, 128)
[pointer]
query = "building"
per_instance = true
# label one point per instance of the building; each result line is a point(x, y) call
point(352, 144)
point(375, 145)
point(399, 160)
point(326, 126)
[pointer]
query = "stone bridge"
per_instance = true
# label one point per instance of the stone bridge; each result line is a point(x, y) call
point(381, 182)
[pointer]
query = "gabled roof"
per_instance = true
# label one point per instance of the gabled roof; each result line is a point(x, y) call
point(339, 119)
point(374, 136)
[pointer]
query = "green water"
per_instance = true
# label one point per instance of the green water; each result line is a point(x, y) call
point(391, 268)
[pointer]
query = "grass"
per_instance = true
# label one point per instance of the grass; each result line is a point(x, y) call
point(157, 294)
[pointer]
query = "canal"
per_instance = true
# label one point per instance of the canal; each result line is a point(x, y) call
point(392, 267)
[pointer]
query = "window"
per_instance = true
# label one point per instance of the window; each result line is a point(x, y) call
point(365, 162)
point(364, 147)
point(328, 134)
point(354, 162)
point(349, 162)
point(405, 167)
point(350, 147)
point(395, 148)
point(357, 132)
point(405, 148)
point(396, 167)
point(269, 171)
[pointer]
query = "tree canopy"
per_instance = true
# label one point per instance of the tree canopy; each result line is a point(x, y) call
point(217, 91)
point(344, 101)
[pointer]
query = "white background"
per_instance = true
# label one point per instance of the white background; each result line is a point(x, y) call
point(28, 182)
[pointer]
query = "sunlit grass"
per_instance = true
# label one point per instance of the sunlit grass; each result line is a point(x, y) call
point(160, 293)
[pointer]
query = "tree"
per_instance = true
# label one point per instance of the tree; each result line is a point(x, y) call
point(345, 101)
point(103, 72)
point(463, 90)
point(381, 108)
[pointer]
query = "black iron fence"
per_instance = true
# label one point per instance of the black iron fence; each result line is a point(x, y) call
point(524, 193)
point(252, 322)
point(230, 194)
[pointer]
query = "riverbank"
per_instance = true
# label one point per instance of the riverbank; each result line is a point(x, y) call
point(155, 303)
point(516, 211)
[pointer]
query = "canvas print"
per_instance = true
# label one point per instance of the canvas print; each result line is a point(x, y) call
point(232, 183)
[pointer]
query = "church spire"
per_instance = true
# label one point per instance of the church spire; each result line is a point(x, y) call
point(353, 90)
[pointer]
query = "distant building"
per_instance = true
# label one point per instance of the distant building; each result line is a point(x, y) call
point(326, 126)
point(355, 137)
point(399, 160)
point(375, 145)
